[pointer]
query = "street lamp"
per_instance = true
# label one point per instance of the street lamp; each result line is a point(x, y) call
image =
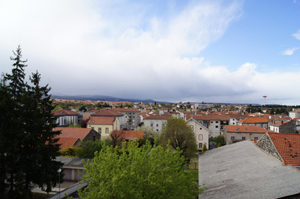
point(59, 170)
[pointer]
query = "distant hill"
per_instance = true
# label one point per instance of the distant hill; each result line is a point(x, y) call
point(99, 97)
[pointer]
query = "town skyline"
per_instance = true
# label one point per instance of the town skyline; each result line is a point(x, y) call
point(212, 51)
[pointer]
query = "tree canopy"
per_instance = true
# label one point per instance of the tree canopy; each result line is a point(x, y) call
point(133, 172)
point(180, 135)
point(27, 144)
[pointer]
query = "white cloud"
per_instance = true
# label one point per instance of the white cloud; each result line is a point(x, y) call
point(92, 47)
point(297, 35)
point(289, 51)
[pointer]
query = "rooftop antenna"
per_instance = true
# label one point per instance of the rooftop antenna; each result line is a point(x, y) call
point(265, 99)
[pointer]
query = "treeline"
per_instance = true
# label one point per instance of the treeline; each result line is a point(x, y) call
point(271, 109)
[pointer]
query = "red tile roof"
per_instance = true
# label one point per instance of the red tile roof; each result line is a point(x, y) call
point(67, 132)
point(251, 120)
point(288, 146)
point(209, 117)
point(129, 135)
point(65, 112)
point(66, 142)
point(246, 129)
point(102, 120)
point(108, 112)
point(279, 123)
point(158, 117)
point(125, 110)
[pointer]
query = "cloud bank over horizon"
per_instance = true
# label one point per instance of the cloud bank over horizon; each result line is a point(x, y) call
point(137, 49)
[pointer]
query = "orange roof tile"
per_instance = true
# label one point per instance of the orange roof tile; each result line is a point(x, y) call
point(102, 120)
point(65, 112)
point(66, 142)
point(251, 120)
point(68, 132)
point(288, 146)
point(128, 135)
point(246, 129)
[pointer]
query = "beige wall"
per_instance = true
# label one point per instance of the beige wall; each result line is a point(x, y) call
point(200, 130)
point(238, 136)
point(103, 127)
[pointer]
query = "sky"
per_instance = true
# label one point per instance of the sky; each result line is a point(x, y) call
point(229, 51)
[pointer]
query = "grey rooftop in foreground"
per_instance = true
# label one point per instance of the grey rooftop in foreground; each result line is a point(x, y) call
point(72, 162)
point(242, 170)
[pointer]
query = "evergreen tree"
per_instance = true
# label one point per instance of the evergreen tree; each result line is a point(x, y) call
point(27, 144)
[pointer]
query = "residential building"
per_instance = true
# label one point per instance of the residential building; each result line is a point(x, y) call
point(215, 123)
point(283, 127)
point(104, 125)
point(128, 135)
point(66, 117)
point(132, 118)
point(294, 114)
point(156, 122)
point(237, 133)
point(201, 133)
point(111, 113)
point(74, 136)
point(255, 121)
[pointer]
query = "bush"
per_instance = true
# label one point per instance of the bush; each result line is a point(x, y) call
point(88, 148)
point(68, 152)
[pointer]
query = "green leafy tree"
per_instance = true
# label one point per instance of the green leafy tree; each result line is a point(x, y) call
point(219, 139)
point(133, 172)
point(27, 147)
point(180, 135)
point(87, 149)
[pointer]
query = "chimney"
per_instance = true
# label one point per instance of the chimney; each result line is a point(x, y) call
point(281, 122)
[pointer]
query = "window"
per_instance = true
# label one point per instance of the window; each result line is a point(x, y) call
point(200, 145)
point(94, 138)
point(99, 130)
point(217, 127)
point(200, 137)
point(200, 128)
point(217, 121)
point(243, 138)
point(232, 137)
point(255, 138)
point(157, 125)
point(211, 121)
point(106, 131)
point(192, 127)
point(157, 130)
point(151, 125)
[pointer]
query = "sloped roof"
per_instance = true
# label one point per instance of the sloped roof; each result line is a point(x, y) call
point(125, 110)
point(66, 142)
point(108, 112)
point(68, 132)
point(279, 123)
point(246, 129)
point(102, 120)
point(65, 112)
point(288, 146)
point(128, 135)
point(251, 120)
point(242, 170)
point(210, 117)
point(158, 117)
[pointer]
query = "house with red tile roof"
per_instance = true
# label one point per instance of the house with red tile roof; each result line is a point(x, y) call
point(215, 123)
point(294, 114)
point(104, 125)
point(66, 117)
point(237, 133)
point(255, 121)
point(284, 147)
point(74, 136)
